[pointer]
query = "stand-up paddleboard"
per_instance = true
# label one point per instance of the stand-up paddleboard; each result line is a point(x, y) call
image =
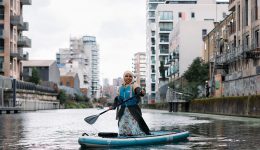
point(113, 140)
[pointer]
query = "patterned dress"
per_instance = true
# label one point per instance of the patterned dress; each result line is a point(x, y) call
point(130, 120)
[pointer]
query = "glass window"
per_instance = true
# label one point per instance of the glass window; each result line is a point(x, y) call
point(164, 37)
point(1, 63)
point(151, 13)
point(153, 59)
point(166, 26)
point(153, 50)
point(153, 87)
point(192, 14)
point(164, 48)
point(166, 15)
point(2, 12)
point(153, 77)
point(152, 6)
point(153, 33)
point(2, 45)
point(180, 14)
point(204, 32)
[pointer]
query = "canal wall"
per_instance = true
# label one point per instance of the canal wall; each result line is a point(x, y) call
point(31, 100)
point(247, 106)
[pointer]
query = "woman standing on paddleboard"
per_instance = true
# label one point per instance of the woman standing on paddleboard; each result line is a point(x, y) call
point(129, 115)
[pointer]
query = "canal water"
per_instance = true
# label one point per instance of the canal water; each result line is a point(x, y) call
point(60, 129)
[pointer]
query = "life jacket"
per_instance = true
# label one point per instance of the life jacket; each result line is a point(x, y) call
point(126, 92)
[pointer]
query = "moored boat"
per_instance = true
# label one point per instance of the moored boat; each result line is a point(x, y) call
point(156, 137)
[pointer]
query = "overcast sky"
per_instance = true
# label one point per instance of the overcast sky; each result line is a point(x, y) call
point(119, 27)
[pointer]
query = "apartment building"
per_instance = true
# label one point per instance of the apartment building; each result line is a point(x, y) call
point(83, 58)
point(12, 40)
point(162, 18)
point(139, 68)
point(92, 49)
point(233, 50)
point(182, 49)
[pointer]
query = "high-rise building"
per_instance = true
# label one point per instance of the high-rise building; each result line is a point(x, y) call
point(92, 49)
point(139, 68)
point(83, 58)
point(162, 17)
point(12, 40)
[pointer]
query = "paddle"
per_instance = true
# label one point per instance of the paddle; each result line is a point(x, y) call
point(92, 119)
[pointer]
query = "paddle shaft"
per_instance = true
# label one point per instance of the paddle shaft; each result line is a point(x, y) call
point(117, 105)
point(92, 119)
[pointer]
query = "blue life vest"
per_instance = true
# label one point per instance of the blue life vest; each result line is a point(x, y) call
point(125, 92)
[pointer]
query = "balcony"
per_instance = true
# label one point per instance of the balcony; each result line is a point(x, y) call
point(17, 20)
point(24, 42)
point(18, 54)
point(232, 5)
point(26, 2)
point(23, 27)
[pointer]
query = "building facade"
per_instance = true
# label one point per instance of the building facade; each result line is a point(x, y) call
point(139, 68)
point(82, 58)
point(162, 17)
point(47, 69)
point(70, 79)
point(12, 40)
point(233, 50)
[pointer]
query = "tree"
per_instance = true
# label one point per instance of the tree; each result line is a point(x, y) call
point(196, 75)
point(35, 78)
point(197, 71)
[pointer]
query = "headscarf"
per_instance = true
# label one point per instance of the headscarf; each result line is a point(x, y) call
point(128, 72)
point(132, 74)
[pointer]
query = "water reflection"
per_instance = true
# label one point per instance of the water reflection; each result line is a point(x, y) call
point(10, 131)
point(60, 129)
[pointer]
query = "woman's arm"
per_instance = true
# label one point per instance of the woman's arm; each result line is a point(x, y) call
point(139, 91)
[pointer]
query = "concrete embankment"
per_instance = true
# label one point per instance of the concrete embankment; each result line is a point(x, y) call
point(32, 100)
point(247, 106)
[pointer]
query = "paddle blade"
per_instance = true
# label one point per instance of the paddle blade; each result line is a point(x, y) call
point(91, 119)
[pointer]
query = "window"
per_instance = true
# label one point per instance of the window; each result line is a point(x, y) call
point(153, 87)
point(180, 14)
point(166, 15)
point(246, 12)
point(153, 41)
point(153, 59)
point(1, 30)
point(256, 9)
point(153, 68)
point(164, 37)
point(192, 15)
point(153, 77)
point(2, 12)
point(1, 63)
point(2, 45)
point(152, 6)
point(166, 26)
point(204, 32)
point(256, 39)
point(151, 14)
point(153, 33)
point(164, 48)
point(238, 17)
point(224, 14)
point(153, 50)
